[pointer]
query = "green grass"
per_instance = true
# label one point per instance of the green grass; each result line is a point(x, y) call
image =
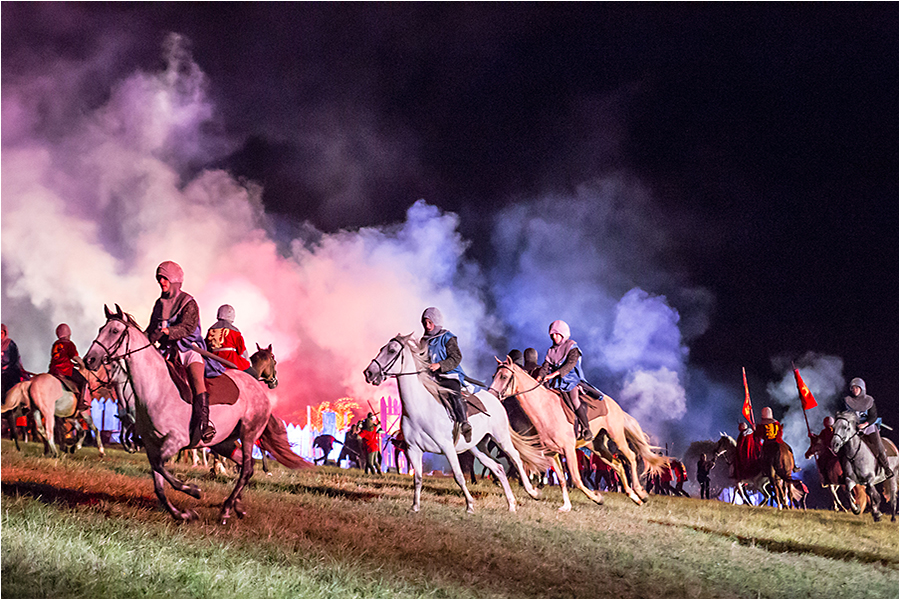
point(88, 527)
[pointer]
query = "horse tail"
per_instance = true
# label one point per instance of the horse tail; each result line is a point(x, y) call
point(531, 451)
point(17, 396)
point(274, 440)
point(653, 463)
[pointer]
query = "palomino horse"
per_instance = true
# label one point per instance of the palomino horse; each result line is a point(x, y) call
point(860, 466)
point(427, 426)
point(775, 467)
point(48, 399)
point(163, 416)
point(545, 411)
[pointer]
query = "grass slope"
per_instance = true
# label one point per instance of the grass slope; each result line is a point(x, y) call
point(89, 527)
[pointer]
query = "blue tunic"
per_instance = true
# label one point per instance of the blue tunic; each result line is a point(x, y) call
point(437, 351)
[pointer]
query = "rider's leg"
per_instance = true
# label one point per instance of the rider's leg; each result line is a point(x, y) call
point(200, 427)
point(459, 408)
point(877, 447)
point(580, 409)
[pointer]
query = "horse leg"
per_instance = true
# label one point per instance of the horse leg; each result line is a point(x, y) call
point(233, 501)
point(480, 452)
point(47, 432)
point(414, 455)
point(450, 452)
point(637, 494)
point(572, 462)
point(512, 453)
point(10, 417)
point(158, 458)
point(561, 479)
point(875, 500)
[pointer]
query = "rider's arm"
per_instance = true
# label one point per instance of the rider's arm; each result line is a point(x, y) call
point(153, 333)
point(454, 356)
point(871, 417)
point(190, 319)
point(571, 361)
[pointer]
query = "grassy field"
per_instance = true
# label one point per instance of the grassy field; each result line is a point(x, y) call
point(84, 526)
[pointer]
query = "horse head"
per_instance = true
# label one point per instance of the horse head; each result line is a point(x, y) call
point(504, 378)
point(844, 429)
point(263, 361)
point(384, 362)
point(108, 345)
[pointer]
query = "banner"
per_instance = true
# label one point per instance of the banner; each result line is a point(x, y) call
point(747, 410)
point(806, 397)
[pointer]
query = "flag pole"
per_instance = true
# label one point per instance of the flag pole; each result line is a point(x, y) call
point(805, 417)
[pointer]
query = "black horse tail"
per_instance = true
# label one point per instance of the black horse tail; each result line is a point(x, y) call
point(274, 440)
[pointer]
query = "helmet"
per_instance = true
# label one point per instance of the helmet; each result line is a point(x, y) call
point(226, 313)
point(828, 421)
point(767, 413)
point(62, 331)
point(560, 327)
point(171, 271)
point(435, 315)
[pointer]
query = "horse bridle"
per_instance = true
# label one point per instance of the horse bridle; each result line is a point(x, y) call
point(499, 394)
point(382, 370)
point(849, 437)
point(108, 357)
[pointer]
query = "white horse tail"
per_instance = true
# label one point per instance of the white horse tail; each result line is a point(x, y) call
point(274, 440)
point(531, 451)
point(653, 463)
point(17, 396)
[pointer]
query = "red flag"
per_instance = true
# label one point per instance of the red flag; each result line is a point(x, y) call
point(806, 397)
point(747, 410)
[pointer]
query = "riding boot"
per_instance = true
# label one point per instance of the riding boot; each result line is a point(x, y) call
point(581, 411)
point(459, 407)
point(201, 428)
point(883, 461)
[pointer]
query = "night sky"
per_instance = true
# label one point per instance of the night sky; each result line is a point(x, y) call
point(760, 138)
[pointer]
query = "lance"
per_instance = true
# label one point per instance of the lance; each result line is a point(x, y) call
point(208, 354)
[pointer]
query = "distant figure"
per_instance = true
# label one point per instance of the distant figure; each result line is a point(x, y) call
point(351, 450)
point(531, 365)
point(516, 356)
point(324, 443)
point(13, 372)
point(225, 339)
point(370, 442)
point(703, 469)
point(746, 461)
point(679, 475)
point(61, 367)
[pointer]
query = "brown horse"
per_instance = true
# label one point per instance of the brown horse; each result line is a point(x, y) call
point(544, 409)
point(775, 465)
point(831, 474)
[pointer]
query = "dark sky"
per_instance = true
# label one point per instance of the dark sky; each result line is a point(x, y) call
point(766, 133)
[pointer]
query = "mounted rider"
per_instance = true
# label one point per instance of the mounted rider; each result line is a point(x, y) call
point(562, 371)
point(61, 354)
point(225, 339)
point(13, 371)
point(769, 431)
point(175, 326)
point(869, 423)
point(445, 356)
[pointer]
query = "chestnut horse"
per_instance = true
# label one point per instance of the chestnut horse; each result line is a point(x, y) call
point(544, 408)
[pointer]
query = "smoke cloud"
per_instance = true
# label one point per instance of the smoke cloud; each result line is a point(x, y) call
point(99, 189)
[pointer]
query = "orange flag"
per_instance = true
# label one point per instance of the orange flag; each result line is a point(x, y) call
point(747, 410)
point(806, 397)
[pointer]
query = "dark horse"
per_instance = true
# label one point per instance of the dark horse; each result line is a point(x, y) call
point(163, 416)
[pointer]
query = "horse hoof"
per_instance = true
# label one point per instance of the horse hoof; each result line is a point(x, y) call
point(565, 508)
point(470, 510)
point(192, 490)
point(536, 495)
point(186, 516)
point(877, 517)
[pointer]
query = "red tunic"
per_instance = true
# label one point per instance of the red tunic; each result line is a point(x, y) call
point(748, 450)
point(370, 438)
point(229, 344)
point(61, 356)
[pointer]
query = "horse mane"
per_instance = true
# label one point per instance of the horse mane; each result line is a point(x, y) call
point(420, 358)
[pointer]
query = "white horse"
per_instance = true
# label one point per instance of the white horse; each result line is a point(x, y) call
point(427, 426)
point(860, 465)
point(163, 416)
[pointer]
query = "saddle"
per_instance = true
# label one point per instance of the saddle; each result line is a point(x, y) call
point(82, 400)
point(221, 389)
point(596, 406)
point(474, 405)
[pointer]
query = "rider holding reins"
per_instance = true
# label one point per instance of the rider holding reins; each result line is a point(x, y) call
point(562, 371)
point(864, 407)
point(445, 357)
point(175, 325)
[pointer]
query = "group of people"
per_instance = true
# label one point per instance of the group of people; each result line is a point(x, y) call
point(561, 370)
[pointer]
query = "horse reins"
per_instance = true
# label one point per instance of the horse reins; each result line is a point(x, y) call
point(383, 369)
point(500, 393)
point(850, 437)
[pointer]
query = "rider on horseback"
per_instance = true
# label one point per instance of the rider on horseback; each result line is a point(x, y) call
point(562, 367)
point(61, 367)
point(175, 324)
point(224, 339)
point(445, 357)
point(864, 407)
point(770, 430)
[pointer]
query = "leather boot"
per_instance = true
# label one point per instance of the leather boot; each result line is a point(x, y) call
point(201, 428)
point(586, 434)
point(459, 406)
point(883, 461)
